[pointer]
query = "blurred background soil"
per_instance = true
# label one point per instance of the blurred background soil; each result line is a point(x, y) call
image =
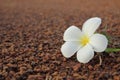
point(31, 36)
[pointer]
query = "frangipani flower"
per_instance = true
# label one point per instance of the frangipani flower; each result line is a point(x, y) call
point(85, 42)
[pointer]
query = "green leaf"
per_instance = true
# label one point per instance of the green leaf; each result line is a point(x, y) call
point(112, 50)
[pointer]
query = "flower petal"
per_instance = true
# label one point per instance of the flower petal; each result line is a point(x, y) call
point(99, 42)
point(85, 54)
point(69, 48)
point(73, 33)
point(91, 25)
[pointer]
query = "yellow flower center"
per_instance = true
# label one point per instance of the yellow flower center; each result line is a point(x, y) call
point(84, 40)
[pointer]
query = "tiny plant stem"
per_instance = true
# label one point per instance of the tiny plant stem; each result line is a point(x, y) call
point(108, 50)
point(100, 63)
point(100, 59)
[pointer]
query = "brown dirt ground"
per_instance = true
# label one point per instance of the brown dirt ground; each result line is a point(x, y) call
point(31, 36)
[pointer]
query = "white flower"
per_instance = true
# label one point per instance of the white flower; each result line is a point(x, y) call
point(84, 42)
